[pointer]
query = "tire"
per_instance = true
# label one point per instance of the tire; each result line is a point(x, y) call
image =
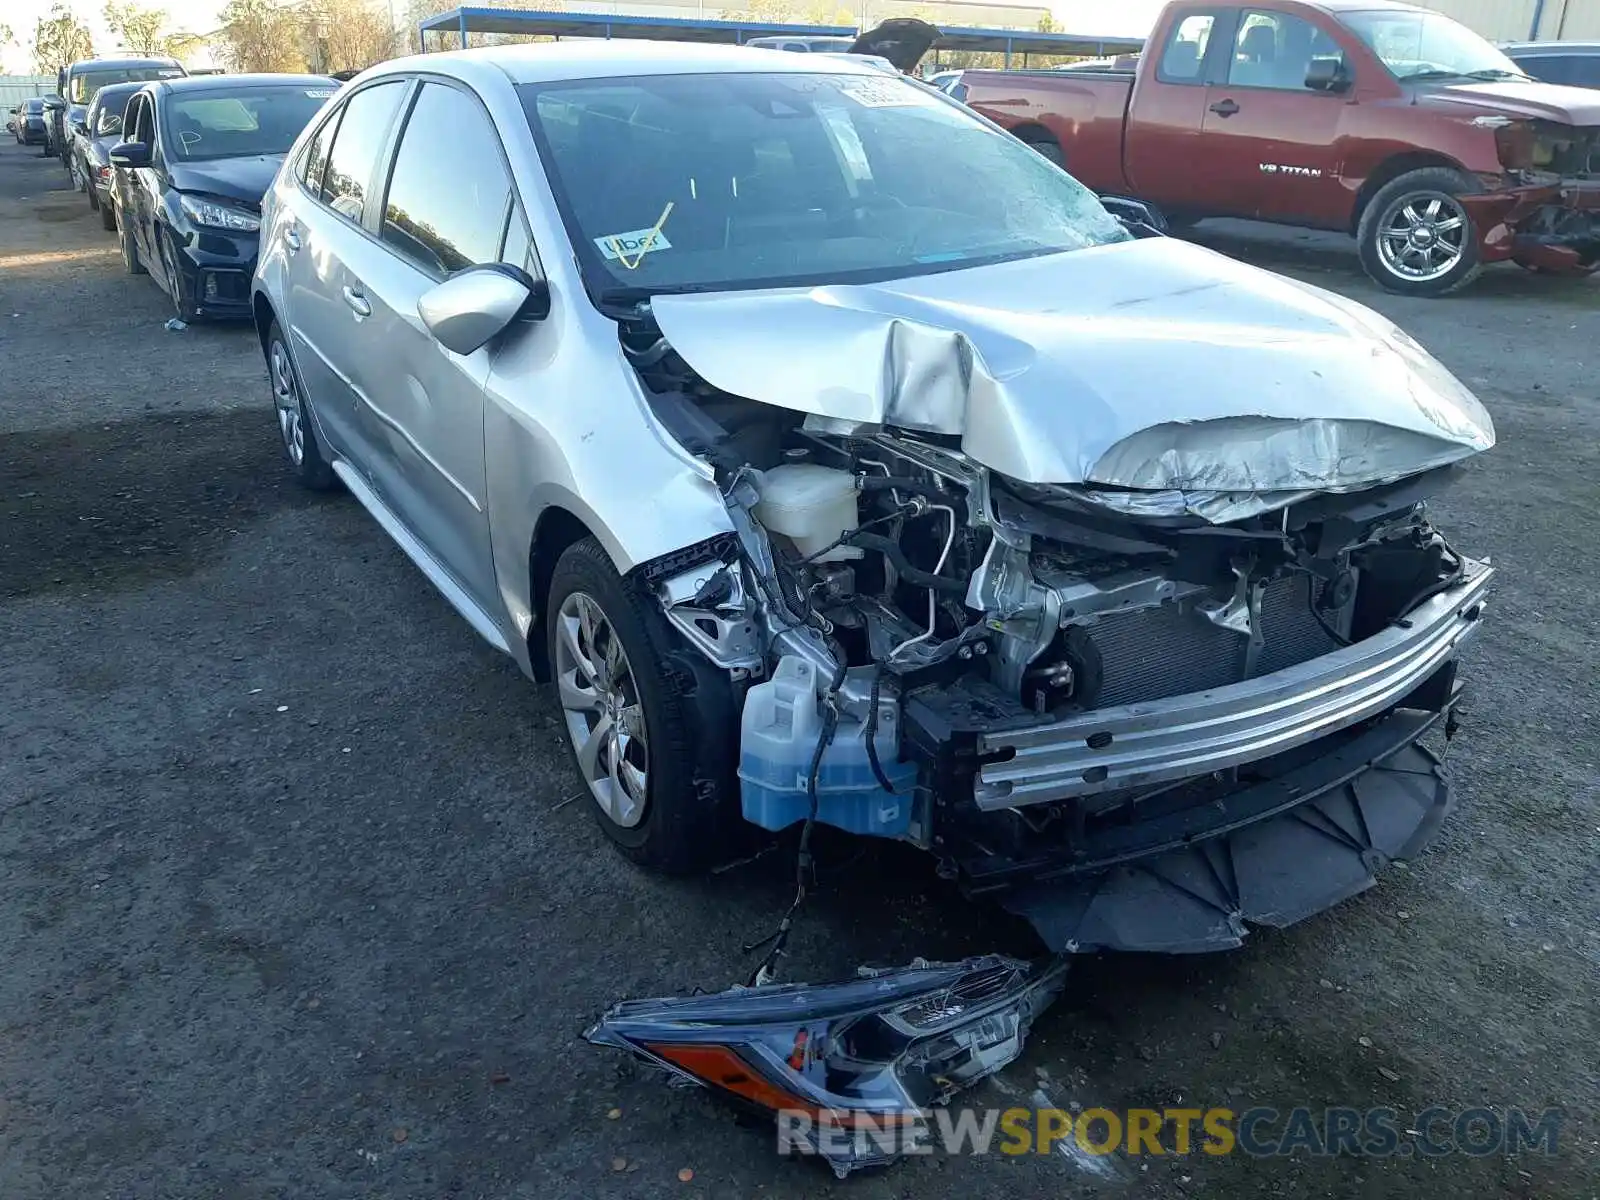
point(681, 814)
point(1442, 256)
point(301, 449)
point(94, 201)
point(130, 252)
point(1047, 147)
point(108, 218)
point(169, 280)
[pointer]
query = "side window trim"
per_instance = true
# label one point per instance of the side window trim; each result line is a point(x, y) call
point(397, 134)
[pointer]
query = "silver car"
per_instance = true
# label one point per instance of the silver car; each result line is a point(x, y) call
point(842, 461)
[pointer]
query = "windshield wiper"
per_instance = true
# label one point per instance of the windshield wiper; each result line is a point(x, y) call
point(1492, 73)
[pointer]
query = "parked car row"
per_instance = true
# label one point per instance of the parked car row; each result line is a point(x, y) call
point(177, 168)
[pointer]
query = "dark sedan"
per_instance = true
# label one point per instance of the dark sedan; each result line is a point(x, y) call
point(89, 157)
point(30, 128)
point(187, 181)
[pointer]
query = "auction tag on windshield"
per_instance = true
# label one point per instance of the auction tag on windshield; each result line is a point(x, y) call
point(322, 93)
point(882, 93)
point(629, 246)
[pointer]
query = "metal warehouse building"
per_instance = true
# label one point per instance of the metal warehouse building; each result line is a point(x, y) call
point(1525, 20)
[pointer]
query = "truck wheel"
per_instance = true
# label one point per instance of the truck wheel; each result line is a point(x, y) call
point(1416, 237)
point(649, 721)
point(1043, 144)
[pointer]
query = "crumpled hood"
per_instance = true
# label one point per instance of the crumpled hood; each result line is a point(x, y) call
point(246, 178)
point(1150, 364)
point(1511, 98)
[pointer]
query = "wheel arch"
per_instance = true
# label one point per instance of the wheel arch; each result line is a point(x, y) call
point(556, 529)
point(1391, 169)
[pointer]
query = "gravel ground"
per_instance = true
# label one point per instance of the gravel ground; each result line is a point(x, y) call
point(293, 904)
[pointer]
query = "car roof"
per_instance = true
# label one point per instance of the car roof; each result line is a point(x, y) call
point(238, 83)
point(121, 89)
point(113, 64)
point(559, 61)
point(1348, 6)
point(1541, 48)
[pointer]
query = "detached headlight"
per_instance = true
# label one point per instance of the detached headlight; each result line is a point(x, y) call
point(845, 1065)
point(218, 216)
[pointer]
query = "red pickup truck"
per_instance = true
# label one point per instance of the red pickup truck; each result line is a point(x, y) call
point(1392, 123)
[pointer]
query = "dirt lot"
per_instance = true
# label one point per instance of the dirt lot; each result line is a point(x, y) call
point(292, 904)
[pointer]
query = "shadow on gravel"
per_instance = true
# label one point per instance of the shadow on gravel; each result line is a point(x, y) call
point(119, 505)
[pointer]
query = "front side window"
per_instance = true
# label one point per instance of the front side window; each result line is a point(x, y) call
point(446, 205)
point(1184, 59)
point(143, 126)
point(756, 180)
point(1276, 50)
point(1419, 46)
point(356, 146)
point(314, 161)
point(209, 125)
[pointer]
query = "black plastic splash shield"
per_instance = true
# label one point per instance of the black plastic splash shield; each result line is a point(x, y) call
point(1288, 852)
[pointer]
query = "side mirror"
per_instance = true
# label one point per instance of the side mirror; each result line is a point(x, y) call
point(80, 127)
point(1137, 217)
point(130, 154)
point(474, 305)
point(1327, 75)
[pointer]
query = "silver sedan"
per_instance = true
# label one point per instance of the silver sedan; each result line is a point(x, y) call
point(843, 461)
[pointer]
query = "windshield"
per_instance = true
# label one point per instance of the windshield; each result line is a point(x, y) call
point(81, 88)
point(210, 125)
point(710, 182)
point(1416, 45)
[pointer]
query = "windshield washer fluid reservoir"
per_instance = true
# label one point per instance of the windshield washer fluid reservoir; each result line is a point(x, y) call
point(777, 738)
point(811, 505)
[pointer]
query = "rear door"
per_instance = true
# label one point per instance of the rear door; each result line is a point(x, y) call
point(326, 228)
point(1161, 153)
point(1272, 148)
point(445, 208)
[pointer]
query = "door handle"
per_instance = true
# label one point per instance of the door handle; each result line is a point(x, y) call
point(1224, 108)
point(357, 302)
point(291, 238)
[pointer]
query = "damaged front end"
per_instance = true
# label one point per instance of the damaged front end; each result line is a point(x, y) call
point(1144, 681)
point(1546, 212)
point(848, 1070)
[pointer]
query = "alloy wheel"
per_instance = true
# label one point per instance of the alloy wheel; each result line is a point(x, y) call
point(600, 701)
point(286, 399)
point(1423, 236)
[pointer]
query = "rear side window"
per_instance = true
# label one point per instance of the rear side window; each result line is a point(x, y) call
point(314, 162)
point(446, 206)
point(1184, 59)
point(356, 146)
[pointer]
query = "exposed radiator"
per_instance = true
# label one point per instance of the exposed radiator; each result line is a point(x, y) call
point(1153, 653)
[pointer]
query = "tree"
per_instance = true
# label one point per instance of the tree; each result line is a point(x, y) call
point(346, 35)
point(258, 35)
point(1047, 24)
point(142, 30)
point(60, 39)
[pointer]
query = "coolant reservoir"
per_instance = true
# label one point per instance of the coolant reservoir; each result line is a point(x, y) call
point(811, 505)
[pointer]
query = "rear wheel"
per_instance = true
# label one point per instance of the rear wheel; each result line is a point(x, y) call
point(1416, 238)
point(300, 446)
point(650, 722)
point(130, 252)
point(1044, 145)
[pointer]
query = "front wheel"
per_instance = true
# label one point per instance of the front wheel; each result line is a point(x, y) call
point(1416, 238)
point(649, 721)
point(1046, 147)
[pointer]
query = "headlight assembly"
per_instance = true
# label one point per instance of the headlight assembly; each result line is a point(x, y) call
point(218, 216)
